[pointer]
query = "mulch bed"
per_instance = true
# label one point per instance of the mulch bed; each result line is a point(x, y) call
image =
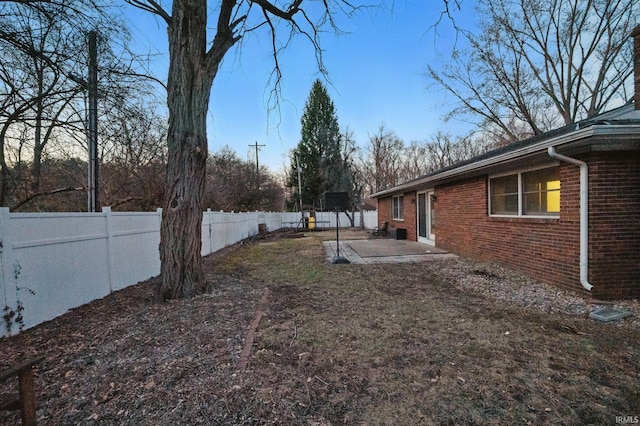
point(128, 359)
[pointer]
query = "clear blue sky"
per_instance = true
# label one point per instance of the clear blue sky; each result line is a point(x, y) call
point(376, 75)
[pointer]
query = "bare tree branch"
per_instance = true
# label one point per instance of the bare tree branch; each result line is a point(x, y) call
point(271, 8)
point(151, 6)
point(542, 64)
point(32, 197)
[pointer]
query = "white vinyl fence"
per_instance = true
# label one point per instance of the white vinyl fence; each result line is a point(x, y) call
point(53, 262)
point(328, 219)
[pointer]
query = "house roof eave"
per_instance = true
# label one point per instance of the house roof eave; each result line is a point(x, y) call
point(576, 136)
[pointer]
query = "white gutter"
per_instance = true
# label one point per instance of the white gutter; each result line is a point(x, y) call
point(584, 214)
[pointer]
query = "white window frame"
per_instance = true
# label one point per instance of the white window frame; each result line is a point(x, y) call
point(397, 207)
point(520, 214)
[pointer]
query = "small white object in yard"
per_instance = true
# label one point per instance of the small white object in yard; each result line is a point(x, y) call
point(506, 333)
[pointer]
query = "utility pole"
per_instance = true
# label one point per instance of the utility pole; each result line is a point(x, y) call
point(257, 147)
point(299, 181)
point(92, 119)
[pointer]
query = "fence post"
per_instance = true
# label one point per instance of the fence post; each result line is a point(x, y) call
point(159, 212)
point(109, 231)
point(210, 231)
point(8, 297)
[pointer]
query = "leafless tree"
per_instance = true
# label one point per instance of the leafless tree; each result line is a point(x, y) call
point(195, 57)
point(415, 161)
point(63, 183)
point(442, 150)
point(133, 157)
point(351, 178)
point(387, 161)
point(42, 88)
point(227, 189)
point(381, 160)
point(471, 146)
point(541, 64)
point(38, 82)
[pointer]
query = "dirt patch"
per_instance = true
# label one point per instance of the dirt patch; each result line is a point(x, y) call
point(338, 344)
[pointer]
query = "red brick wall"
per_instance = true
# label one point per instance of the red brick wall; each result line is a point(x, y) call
point(614, 224)
point(385, 211)
point(385, 214)
point(548, 249)
point(410, 216)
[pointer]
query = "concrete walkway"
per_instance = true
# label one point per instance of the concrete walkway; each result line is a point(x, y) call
point(384, 251)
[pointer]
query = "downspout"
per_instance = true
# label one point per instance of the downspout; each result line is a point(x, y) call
point(584, 214)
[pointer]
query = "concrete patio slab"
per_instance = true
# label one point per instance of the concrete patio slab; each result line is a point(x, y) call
point(384, 251)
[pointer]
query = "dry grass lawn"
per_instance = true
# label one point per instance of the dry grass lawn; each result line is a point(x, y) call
point(383, 344)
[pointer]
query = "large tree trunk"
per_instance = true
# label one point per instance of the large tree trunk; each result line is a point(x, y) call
point(189, 86)
point(180, 233)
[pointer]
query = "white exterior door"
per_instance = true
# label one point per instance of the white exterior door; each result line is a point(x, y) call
point(426, 218)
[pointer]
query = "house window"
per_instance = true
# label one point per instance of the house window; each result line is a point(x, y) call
point(398, 207)
point(541, 192)
point(530, 193)
point(504, 195)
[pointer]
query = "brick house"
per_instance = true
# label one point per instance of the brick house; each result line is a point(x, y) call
point(562, 207)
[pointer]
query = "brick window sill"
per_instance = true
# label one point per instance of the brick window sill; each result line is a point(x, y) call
point(521, 219)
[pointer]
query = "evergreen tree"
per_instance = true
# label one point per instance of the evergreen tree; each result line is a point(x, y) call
point(319, 152)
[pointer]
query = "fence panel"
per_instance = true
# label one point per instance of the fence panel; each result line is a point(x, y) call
point(220, 229)
point(134, 242)
point(53, 262)
point(271, 221)
point(328, 219)
point(370, 219)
